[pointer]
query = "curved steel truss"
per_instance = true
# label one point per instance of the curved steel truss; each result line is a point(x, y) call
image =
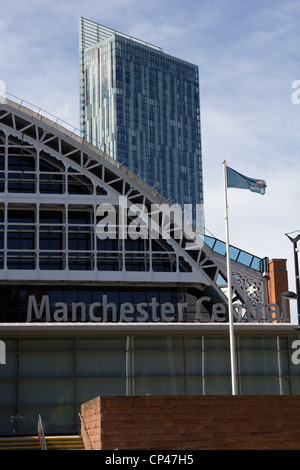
point(47, 167)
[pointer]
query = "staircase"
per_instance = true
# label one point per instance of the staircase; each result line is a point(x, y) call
point(33, 443)
point(64, 443)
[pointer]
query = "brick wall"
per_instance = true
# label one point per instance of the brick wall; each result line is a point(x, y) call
point(193, 422)
point(278, 282)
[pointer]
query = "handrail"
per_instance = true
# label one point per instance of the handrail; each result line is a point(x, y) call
point(85, 432)
point(41, 434)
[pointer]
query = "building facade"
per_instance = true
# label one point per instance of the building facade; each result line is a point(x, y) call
point(83, 315)
point(142, 107)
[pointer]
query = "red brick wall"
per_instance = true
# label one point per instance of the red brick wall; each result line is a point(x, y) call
point(277, 282)
point(193, 422)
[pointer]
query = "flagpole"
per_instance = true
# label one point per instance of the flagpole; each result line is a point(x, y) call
point(231, 329)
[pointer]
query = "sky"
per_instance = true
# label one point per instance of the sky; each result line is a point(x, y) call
point(248, 54)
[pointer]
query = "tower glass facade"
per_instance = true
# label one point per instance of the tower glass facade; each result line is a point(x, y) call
point(142, 107)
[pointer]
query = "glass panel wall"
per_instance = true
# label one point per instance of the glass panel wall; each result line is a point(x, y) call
point(54, 376)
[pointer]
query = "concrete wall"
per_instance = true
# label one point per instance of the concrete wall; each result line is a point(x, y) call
point(193, 422)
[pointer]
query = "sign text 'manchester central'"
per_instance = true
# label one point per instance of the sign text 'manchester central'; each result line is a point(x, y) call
point(153, 311)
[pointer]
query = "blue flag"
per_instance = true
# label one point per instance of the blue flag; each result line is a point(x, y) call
point(236, 180)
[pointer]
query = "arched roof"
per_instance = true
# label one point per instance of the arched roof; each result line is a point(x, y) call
point(109, 181)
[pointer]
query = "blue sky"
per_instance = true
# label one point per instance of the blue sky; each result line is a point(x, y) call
point(248, 53)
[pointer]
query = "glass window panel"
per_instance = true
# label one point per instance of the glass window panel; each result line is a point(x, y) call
point(158, 363)
point(258, 363)
point(10, 369)
point(79, 241)
point(21, 215)
point(6, 426)
point(79, 184)
point(12, 344)
point(52, 183)
point(50, 164)
point(57, 420)
point(260, 342)
point(20, 160)
point(245, 258)
point(260, 386)
point(217, 386)
point(47, 344)
point(101, 364)
point(285, 386)
point(79, 217)
point(88, 389)
point(51, 241)
point(50, 260)
point(47, 365)
point(193, 362)
point(47, 392)
point(51, 217)
point(286, 365)
point(193, 343)
point(20, 240)
point(217, 363)
point(159, 386)
point(21, 182)
point(101, 344)
point(20, 260)
point(214, 343)
point(194, 386)
point(157, 343)
point(295, 385)
point(9, 392)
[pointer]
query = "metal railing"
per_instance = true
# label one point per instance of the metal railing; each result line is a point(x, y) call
point(85, 432)
point(41, 434)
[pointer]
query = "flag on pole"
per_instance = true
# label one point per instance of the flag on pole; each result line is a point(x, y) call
point(236, 180)
point(233, 179)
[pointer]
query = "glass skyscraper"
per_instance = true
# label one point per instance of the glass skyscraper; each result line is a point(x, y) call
point(142, 107)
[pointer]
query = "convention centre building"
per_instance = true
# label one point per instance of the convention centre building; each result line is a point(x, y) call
point(101, 303)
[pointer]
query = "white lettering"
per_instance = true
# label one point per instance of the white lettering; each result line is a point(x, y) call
point(166, 309)
point(273, 314)
point(2, 352)
point(91, 311)
point(82, 307)
point(164, 220)
point(61, 314)
point(154, 304)
point(45, 304)
point(107, 306)
point(138, 227)
point(201, 317)
point(180, 307)
point(296, 354)
point(126, 308)
point(107, 226)
point(144, 313)
point(296, 94)
point(218, 309)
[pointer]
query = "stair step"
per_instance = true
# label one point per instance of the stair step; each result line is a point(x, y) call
point(20, 444)
point(64, 443)
point(53, 443)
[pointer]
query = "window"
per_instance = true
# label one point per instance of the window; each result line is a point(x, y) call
point(21, 239)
